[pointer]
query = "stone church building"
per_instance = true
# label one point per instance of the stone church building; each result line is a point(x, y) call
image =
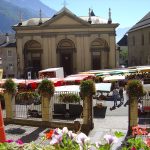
point(139, 42)
point(66, 40)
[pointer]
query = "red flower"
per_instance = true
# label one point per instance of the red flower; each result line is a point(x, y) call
point(139, 131)
point(133, 148)
point(49, 134)
point(147, 141)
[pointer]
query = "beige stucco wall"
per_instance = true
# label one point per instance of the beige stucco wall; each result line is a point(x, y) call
point(80, 34)
point(138, 51)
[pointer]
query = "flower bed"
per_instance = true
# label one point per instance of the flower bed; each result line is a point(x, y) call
point(67, 140)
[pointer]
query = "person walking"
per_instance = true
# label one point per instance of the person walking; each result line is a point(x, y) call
point(115, 97)
point(121, 96)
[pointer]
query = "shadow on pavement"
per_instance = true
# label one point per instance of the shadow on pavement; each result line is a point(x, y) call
point(16, 131)
point(32, 136)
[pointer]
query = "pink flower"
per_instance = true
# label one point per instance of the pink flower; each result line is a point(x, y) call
point(19, 142)
point(147, 142)
point(9, 141)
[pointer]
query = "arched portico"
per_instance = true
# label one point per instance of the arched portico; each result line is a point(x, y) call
point(32, 58)
point(99, 54)
point(66, 52)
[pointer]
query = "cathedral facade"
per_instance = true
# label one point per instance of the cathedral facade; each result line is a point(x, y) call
point(66, 40)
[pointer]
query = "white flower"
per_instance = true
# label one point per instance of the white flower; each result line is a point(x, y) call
point(82, 140)
point(56, 139)
point(110, 139)
point(71, 135)
point(65, 130)
point(98, 144)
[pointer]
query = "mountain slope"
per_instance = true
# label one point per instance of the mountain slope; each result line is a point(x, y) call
point(47, 12)
point(10, 10)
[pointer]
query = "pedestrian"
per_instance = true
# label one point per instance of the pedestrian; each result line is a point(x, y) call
point(121, 96)
point(115, 97)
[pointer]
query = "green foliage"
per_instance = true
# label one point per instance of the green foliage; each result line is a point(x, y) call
point(46, 88)
point(119, 134)
point(69, 98)
point(135, 144)
point(87, 88)
point(135, 88)
point(10, 86)
point(27, 96)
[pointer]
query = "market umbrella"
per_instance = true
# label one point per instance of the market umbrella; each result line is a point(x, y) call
point(114, 78)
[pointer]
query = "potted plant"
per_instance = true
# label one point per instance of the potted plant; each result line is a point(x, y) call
point(27, 97)
point(46, 88)
point(135, 88)
point(69, 98)
point(134, 91)
point(75, 109)
point(99, 110)
point(87, 90)
point(10, 89)
point(10, 86)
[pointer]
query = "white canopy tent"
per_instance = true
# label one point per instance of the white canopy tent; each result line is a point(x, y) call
point(114, 77)
point(104, 87)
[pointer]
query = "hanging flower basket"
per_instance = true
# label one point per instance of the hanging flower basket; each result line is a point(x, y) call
point(10, 86)
point(135, 88)
point(87, 88)
point(27, 97)
point(46, 88)
point(69, 98)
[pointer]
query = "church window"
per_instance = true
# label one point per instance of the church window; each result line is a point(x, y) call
point(10, 66)
point(9, 53)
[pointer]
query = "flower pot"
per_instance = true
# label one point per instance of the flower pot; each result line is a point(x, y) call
point(99, 112)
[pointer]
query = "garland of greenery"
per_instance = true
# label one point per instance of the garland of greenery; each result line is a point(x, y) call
point(10, 86)
point(46, 88)
point(135, 88)
point(69, 98)
point(87, 88)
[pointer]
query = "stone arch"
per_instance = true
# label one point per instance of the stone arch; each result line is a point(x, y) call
point(99, 54)
point(32, 58)
point(66, 55)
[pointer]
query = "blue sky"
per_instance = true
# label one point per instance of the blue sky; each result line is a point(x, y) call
point(124, 12)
